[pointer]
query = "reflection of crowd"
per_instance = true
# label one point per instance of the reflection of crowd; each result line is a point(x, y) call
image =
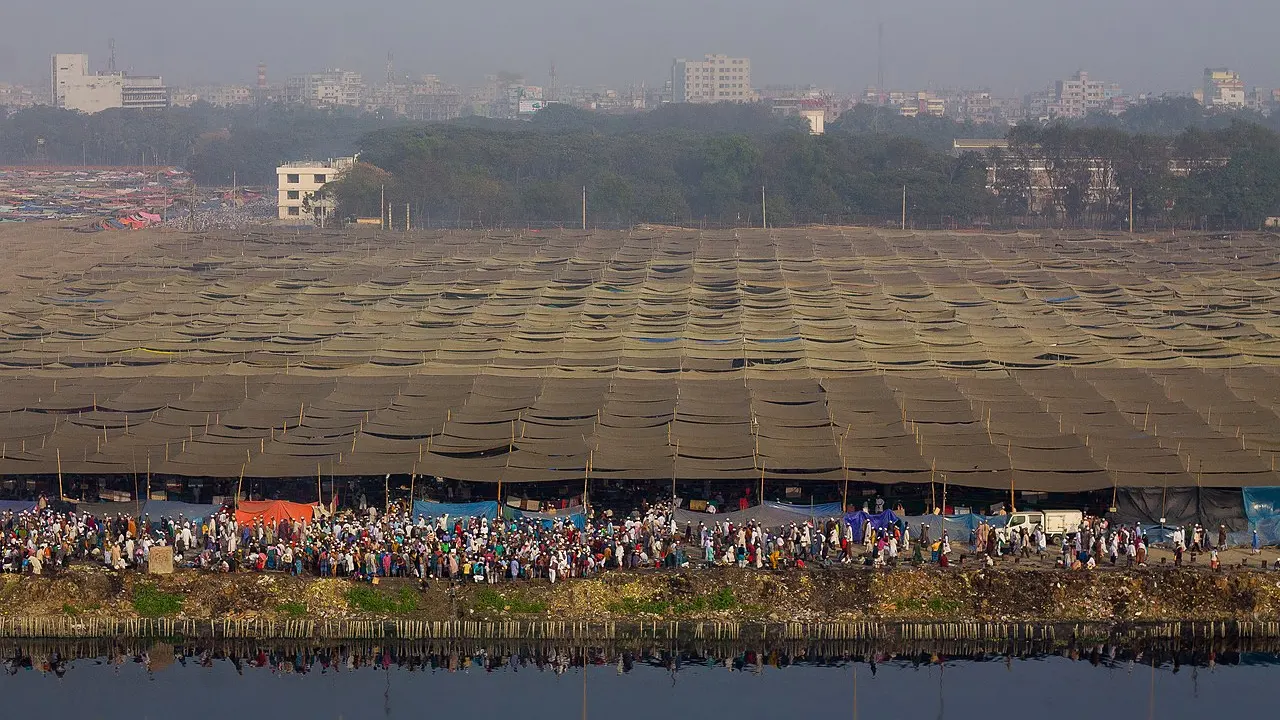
point(347, 658)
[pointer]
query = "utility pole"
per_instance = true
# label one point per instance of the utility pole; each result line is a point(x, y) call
point(904, 207)
point(584, 207)
point(1130, 211)
point(382, 208)
point(191, 207)
point(406, 218)
point(764, 210)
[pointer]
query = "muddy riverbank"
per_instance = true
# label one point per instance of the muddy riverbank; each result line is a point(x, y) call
point(851, 598)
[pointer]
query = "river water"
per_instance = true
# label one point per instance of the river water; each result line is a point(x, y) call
point(156, 680)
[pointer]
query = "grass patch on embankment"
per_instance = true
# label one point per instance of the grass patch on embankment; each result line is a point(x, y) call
point(150, 601)
point(368, 599)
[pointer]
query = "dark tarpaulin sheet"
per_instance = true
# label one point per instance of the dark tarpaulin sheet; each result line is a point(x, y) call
point(1209, 507)
point(110, 509)
point(158, 509)
point(770, 514)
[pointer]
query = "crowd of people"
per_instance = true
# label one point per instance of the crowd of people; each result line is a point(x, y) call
point(363, 544)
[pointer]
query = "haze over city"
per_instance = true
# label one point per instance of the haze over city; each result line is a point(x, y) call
point(1010, 47)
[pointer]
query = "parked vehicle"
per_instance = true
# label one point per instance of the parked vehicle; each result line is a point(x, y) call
point(1056, 523)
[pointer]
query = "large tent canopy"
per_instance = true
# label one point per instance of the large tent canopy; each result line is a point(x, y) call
point(1043, 362)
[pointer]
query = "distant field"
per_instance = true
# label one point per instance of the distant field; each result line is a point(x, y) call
point(1070, 362)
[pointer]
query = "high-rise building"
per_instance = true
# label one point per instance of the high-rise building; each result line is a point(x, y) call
point(1078, 96)
point(716, 78)
point(1223, 88)
point(328, 88)
point(73, 87)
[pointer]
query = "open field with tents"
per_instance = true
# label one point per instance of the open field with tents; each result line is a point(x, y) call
point(824, 355)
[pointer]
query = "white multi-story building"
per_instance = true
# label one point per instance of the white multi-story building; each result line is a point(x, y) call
point(328, 88)
point(73, 87)
point(297, 184)
point(716, 78)
point(217, 95)
point(1078, 96)
point(1223, 88)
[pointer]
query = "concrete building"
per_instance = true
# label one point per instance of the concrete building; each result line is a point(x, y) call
point(925, 103)
point(17, 97)
point(817, 119)
point(143, 92)
point(716, 78)
point(217, 95)
point(73, 87)
point(1222, 88)
point(1079, 95)
point(325, 89)
point(297, 184)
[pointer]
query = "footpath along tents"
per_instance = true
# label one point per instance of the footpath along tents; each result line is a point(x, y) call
point(271, 512)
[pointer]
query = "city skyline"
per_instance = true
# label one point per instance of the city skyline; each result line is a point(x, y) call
point(1146, 45)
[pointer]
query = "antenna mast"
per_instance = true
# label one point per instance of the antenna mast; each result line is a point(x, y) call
point(880, 57)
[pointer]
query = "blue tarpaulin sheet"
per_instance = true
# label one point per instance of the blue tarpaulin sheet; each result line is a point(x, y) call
point(879, 521)
point(16, 506)
point(578, 519)
point(958, 527)
point(1262, 507)
point(486, 509)
point(823, 511)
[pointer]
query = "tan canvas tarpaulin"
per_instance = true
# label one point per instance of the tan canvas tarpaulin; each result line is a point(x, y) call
point(1059, 362)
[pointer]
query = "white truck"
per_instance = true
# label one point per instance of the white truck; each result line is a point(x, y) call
point(1055, 523)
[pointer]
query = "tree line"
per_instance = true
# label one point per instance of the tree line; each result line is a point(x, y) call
point(213, 144)
point(687, 164)
point(1082, 175)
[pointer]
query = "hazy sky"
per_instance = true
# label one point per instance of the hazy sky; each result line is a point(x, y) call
point(1011, 46)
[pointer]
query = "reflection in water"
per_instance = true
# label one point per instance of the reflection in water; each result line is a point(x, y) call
point(557, 658)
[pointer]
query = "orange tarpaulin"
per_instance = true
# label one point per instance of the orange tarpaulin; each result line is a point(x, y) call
point(272, 512)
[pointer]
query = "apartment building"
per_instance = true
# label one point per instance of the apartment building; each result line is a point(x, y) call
point(1222, 88)
point(73, 87)
point(1080, 95)
point(716, 78)
point(330, 88)
point(297, 184)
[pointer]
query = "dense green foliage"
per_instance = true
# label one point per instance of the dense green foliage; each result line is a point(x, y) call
point(1228, 177)
point(453, 173)
point(212, 143)
point(708, 164)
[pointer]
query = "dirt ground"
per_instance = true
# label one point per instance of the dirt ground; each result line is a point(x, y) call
point(1022, 591)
